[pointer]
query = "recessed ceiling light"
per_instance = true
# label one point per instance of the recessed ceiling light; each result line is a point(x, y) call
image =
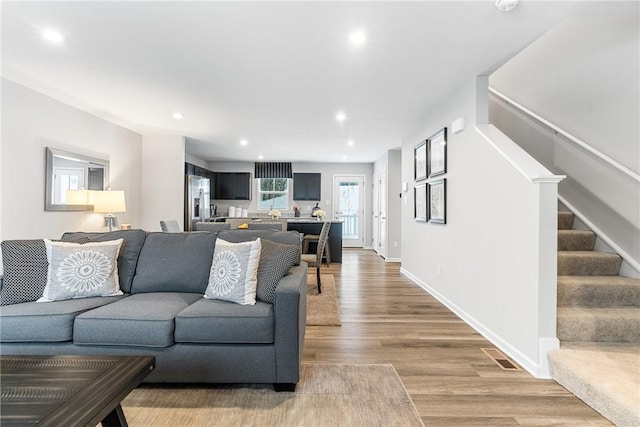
point(52, 36)
point(350, 143)
point(506, 5)
point(178, 116)
point(244, 143)
point(344, 157)
point(341, 116)
point(260, 156)
point(358, 37)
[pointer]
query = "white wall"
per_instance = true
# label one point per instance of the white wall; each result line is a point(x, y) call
point(32, 121)
point(493, 263)
point(584, 81)
point(163, 180)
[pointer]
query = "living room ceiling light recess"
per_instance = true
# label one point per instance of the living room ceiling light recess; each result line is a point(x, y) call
point(52, 36)
point(350, 143)
point(178, 116)
point(358, 37)
point(244, 142)
point(506, 5)
point(341, 116)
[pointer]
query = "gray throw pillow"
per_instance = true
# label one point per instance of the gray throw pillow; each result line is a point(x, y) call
point(25, 271)
point(81, 271)
point(275, 261)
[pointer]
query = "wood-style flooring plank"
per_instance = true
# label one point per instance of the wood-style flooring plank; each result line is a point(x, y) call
point(386, 318)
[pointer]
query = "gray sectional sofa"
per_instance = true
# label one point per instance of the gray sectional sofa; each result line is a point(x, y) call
point(163, 313)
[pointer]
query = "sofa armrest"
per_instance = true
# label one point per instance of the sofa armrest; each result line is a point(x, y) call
point(290, 315)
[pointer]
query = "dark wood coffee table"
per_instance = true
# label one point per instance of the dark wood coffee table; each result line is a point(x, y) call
point(68, 390)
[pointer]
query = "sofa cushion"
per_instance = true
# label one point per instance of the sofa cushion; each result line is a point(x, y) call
point(213, 321)
point(143, 320)
point(285, 237)
point(174, 262)
point(234, 272)
point(81, 270)
point(275, 261)
point(129, 252)
point(51, 322)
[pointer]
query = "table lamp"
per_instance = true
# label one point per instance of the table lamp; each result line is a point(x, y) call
point(109, 202)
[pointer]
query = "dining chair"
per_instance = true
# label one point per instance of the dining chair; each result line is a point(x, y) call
point(170, 226)
point(315, 260)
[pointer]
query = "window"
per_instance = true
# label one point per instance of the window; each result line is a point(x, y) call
point(273, 193)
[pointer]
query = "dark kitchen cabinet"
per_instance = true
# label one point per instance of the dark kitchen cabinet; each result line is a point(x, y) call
point(306, 186)
point(232, 186)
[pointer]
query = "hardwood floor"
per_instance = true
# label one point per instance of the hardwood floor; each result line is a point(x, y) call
point(386, 318)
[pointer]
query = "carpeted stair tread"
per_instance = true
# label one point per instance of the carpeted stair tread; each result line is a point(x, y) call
point(612, 388)
point(565, 220)
point(610, 324)
point(598, 291)
point(576, 240)
point(588, 263)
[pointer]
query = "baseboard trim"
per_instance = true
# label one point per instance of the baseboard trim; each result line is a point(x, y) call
point(545, 344)
point(393, 259)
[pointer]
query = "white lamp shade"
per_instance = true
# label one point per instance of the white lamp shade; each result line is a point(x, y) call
point(109, 201)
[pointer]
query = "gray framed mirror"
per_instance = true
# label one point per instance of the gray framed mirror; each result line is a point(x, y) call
point(70, 178)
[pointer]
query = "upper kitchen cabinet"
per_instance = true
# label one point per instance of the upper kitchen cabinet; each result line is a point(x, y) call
point(306, 186)
point(232, 186)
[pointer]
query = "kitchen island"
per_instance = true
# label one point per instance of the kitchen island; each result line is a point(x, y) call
point(304, 225)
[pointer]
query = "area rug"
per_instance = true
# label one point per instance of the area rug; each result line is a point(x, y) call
point(322, 309)
point(327, 395)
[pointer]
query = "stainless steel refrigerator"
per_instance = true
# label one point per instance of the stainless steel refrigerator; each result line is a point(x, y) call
point(197, 197)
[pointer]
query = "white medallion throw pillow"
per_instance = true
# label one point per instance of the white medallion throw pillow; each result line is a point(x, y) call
point(81, 270)
point(234, 272)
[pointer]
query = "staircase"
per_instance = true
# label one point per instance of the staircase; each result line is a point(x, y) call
point(598, 325)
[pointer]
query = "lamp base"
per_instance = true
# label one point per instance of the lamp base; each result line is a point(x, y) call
point(110, 221)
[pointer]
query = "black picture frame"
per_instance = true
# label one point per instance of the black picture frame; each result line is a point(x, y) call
point(420, 161)
point(420, 205)
point(437, 153)
point(437, 201)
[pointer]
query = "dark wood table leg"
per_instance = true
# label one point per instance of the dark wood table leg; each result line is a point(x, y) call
point(115, 418)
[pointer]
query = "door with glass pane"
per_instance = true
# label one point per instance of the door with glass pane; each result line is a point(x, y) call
point(348, 203)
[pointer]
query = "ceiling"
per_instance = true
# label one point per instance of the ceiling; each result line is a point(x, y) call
point(272, 73)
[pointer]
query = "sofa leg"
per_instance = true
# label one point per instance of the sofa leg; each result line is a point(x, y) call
point(284, 387)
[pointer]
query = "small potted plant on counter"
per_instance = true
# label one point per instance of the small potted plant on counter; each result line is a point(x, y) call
point(274, 213)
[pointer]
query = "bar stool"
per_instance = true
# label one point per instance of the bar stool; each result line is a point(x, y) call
point(309, 238)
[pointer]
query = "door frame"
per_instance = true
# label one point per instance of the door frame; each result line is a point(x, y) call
point(363, 200)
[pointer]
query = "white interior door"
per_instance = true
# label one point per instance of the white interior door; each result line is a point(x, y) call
point(375, 219)
point(348, 202)
point(382, 213)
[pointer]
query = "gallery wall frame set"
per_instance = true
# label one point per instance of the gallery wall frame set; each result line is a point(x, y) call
point(430, 160)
